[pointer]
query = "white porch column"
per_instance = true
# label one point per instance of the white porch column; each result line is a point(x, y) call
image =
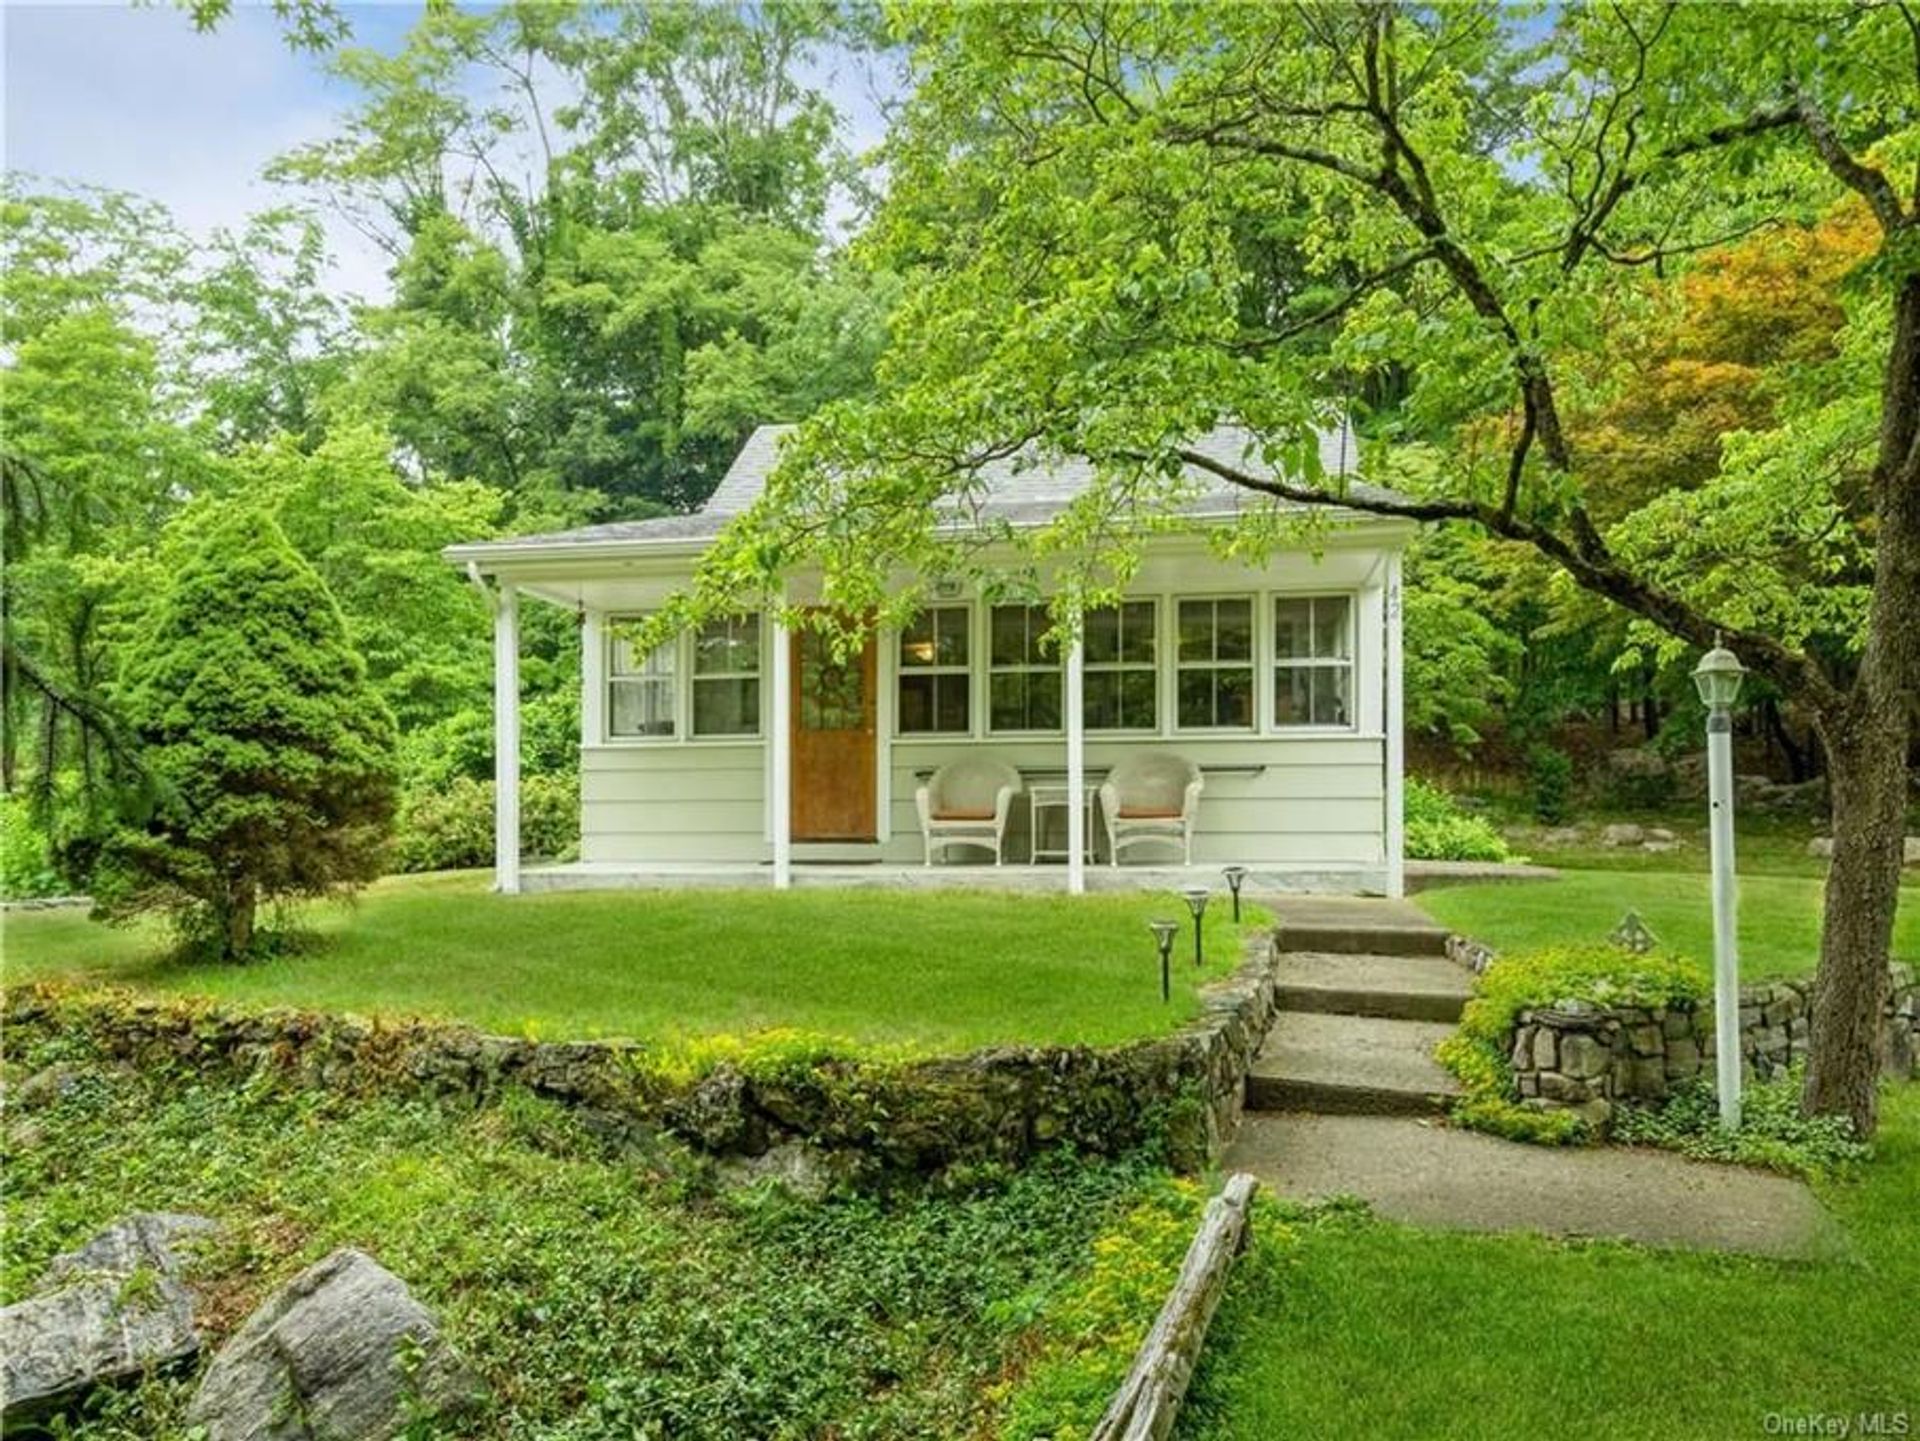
point(1396, 740)
point(1076, 766)
point(780, 772)
point(506, 740)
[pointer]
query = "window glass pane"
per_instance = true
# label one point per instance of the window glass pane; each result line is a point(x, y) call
point(1234, 630)
point(1009, 634)
point(1007, 701)
point(916, 641)
point(1196, 630)
point(626, 661)
point(728, 707)
point(640, 708)
point(1102, 635)
point(916, 702)
point(950, 636)
point(1292, 629)
point(1292, 695)
point(1330, 703)
point(1136, 632)
point(1100, 700)
point(1330, 628)
point(950, 703)
point(729, 644)
point(1138, 695)
point(1233, 698)
point(1043, 700)
point(1196, 698)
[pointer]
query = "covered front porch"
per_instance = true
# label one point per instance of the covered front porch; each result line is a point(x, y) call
point(1015, 879)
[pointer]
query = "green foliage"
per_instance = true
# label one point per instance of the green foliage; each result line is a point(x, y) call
point(1550, 784)
point(1438, 830)
point(26, 860)
point(274, 756)
point(1601, 975)
point(599, 1287)
point(1460, 649)
point(1091, 1327)
point(1772, 1133)
point(451, 827)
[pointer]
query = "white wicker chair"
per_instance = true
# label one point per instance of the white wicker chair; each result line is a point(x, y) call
point(1154, 796)
point(966, 803)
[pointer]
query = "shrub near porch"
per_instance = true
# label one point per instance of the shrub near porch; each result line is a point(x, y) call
point(938, 971)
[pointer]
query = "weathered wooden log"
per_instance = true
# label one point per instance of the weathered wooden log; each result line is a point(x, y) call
point(1147, 1401)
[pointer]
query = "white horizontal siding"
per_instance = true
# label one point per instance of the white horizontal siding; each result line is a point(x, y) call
point(673, 802)
point(1317, 800)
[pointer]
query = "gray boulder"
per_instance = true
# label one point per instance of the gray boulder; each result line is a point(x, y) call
point(111, 1311)
point(341, 1352)
point(1624, 833)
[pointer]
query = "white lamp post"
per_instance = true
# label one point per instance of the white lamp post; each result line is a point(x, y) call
point(1718, 678)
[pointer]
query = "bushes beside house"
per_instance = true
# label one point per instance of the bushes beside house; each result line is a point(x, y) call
point(451, 827)
point(1439, 830)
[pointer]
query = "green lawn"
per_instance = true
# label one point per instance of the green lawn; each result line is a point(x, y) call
point(938, 970)
point(1779, 915)
point(1348, 1327)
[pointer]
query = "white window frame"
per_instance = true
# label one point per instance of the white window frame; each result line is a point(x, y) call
point(1155, 667)
point(1057, 668)
point(1180, 666)
point(756, 622)
point(902, 669)
point(611, 645)
point(1276, 662)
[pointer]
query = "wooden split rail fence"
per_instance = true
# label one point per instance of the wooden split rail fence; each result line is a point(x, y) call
point(1147, 1401)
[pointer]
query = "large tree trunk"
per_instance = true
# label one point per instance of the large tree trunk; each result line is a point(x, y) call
point(1866, 740)
point(236, 924)
point(1867, 771)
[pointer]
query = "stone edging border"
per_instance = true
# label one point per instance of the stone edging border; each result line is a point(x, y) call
point(1588, 1058)
point(864, 1119)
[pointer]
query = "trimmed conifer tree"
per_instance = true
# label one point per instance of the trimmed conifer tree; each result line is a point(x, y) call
point(273, 757)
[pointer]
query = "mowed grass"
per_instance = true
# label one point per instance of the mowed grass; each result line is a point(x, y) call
point(1779, 915)
point(1346, 1327)
point(931, 970)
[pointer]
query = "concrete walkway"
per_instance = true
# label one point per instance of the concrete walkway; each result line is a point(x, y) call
point(1428, 1175)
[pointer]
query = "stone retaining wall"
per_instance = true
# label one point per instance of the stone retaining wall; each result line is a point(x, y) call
point(863, 1120)
point(1589, 1058)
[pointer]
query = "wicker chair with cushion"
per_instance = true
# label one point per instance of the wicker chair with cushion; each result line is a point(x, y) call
point(1154, 796)
point(966, 803)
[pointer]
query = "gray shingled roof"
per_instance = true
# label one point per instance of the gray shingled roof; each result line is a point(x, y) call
point(1018, 491)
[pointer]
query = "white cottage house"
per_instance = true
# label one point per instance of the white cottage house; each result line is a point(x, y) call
point(746, 753)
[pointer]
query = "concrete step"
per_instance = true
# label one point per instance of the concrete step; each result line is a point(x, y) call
point(1351, 926)
point(1401, 988)
point(1350, 1065)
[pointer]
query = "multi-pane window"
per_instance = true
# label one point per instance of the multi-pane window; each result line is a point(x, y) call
point(726, 677)
point(639, 688)
point(934, 695)
point(1313, 660)
point(1023, 682)
point(1214, 664)
point(1121, 688)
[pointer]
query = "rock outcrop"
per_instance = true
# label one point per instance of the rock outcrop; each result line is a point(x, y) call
point(343, 1352)
point(113, 1310)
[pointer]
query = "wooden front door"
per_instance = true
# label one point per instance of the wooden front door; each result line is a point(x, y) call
point(834, 792)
